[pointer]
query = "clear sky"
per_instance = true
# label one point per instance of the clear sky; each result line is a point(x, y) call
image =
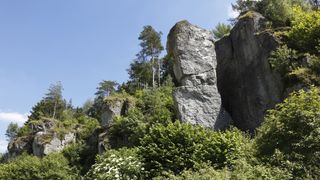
point(80, 43)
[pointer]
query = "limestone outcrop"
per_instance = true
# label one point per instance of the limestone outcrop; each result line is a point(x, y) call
point(247, 85)
point(18, 146)
point(197, 98)
point(46, 143)
point(114, 107)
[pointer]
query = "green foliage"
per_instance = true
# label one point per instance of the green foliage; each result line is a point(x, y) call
point(12, 131)
point(244, 5)
point(53, 166)
point(88, 126)
point(140, 72)
point(24, 131)
point(153, 107)
point(124, 164)
point(126, 131)
point(157, 105)
point(284, 60)
point(296, 68)
point(80, 157)
point(106, 88)
point(280, 13)
point(177, 146)
point(148, 64)
point(290, 136)
point(52, 105)
point(305, 32)
point(221, 30)
point(240, 171)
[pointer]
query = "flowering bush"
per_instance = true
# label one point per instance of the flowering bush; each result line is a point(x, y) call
point(119, 164)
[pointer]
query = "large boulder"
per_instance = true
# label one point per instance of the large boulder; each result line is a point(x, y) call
point(247, 84)
point(197, 98)
point(46, 143)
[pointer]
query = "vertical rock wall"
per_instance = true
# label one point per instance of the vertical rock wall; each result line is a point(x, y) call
point(246, 82)
point(197, 98)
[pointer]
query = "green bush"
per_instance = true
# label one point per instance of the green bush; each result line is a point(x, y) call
point(126, 131)
point(284, 60)
point(87, 126)
point(26, 167)
point(124, 164)
point(80, 156)
point(177, 146)
point(157, 105)
point(290, 136)
point(240, 171)
point(305, 32)
point(24, 131)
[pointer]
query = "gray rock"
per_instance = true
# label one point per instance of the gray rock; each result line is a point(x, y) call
point(246, 82)
point(194, 55)
point(117, 107)
point(18, 146)
point(197, 99)
point(201, 105)
point(43, 126)
point(46, 143)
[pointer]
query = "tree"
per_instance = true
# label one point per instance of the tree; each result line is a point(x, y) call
point(221, 30)
point(140, 73)
point(106, 88)
point(54, 96)
point(52, 105)
point(151, 49)
point(244, 5)
point(12, 131)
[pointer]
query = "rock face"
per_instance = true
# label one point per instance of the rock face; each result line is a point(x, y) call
point(19, 146)
point(45, 143)
point(112, 108)
point(246, 82)
point(197, 98)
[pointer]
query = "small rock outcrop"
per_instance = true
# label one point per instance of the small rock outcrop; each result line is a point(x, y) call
point(114, 107)
point(19, 146)
point(197, 98)
point(247, 84)
point(46, 143)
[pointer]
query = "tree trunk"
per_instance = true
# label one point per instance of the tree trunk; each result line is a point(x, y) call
point(159, 68)
point(153, 72)
point(54, 109)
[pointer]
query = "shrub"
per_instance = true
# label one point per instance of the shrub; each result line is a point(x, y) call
point(80, 156)
point(177, 146)
point(88, 126)
point(290, 136)
point(126, 131)
point(53, 166)
point(283, 60)
point(157, 105)
point(305, 32)
point(240, 171)
point(117, 164)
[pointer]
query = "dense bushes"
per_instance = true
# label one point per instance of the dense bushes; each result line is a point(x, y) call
point(25, 167)
point(177, 146)
point(290, 136)
point(152, 107)
point(240, 171)
point(304, 34)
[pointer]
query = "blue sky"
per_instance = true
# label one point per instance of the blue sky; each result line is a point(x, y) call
point(80, 43)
